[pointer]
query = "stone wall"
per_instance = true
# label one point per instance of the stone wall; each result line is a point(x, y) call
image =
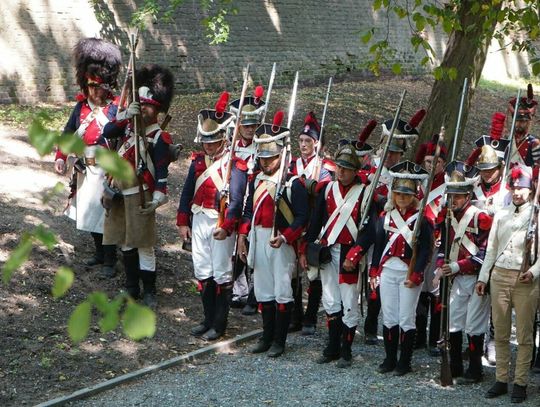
point(318, 38)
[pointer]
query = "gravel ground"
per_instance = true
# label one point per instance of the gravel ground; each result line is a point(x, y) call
point(238, 378)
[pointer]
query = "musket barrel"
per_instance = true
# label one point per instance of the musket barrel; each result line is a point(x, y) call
point(458, 123)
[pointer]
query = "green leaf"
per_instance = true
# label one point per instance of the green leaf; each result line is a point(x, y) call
point(79, 322)
point(71, 143)
point(42, 139)
point(536, 68)
point(438, 73)
point(17, 257)
point(109, 321)
point(366, 36)
point(377, 4)
point(396, 68)
point(45, 236)
point(63, 280)
point(115, 165)
point(424, 61)
point(452, 73)
point(138, 321)
point(99, 300)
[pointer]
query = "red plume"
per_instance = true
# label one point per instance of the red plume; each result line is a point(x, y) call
point(516, 173)
point(497, 125)
point(311, 121)
point(259, 92)
point(421, 154)
point(278, 119)
point(530, 94)
point(473, 157)
point(222, 103)
point(363, 136)
point(417, 118)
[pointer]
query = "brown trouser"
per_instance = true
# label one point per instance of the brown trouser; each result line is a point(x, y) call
point(507, 293)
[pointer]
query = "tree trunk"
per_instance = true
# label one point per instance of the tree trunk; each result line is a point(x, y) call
point(467, 53)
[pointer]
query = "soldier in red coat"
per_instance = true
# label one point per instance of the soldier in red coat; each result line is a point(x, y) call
point(197, 217)
point(129, 225)
point(97, 64)
point(466, 246)
point(275, 216)
point(334, 225)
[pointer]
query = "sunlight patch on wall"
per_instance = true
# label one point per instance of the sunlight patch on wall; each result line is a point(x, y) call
point(273, 14)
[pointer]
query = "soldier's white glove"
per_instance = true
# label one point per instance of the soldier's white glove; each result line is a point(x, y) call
point(133, 109)
point(454, 267)
point(60, 166)
point(158, 199)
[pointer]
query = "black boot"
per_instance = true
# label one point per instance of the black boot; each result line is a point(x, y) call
point(268, 311)
point(97, 257)
point(314, 301)
point(283, 317)
point(421, 321)
point(434, 328)
point(372, 316)
point(131, 267)
point(251, 305)
point(405, 357)
point(391, 343)
point(223, 303)
point(347, 338)
point(298, 307)
point(332, 350)
point(474, 373)
point(456, 355)
point(208, 297)
point(149, 288)
point(109, 261)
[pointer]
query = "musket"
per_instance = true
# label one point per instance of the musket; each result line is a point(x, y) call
point(444, 341)
point(458, 123)
point(511, 144)
point(138, 127)
point(125, 87)
point(366, 210)
point(531, 238)
point(285, 156)
point(318, 148)
point(224, 195)
point(269, 92)
point(423, 204)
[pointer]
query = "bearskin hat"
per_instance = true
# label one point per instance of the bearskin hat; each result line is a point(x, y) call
point(97, 60)
point(156, 85)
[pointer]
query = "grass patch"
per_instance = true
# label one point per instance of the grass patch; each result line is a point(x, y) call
point(52, 116)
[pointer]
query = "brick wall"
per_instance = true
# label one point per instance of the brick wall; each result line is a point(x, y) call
point(318, 38)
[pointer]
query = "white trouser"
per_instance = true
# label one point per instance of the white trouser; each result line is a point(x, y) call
point(336, 294)
point(90, 214)
point(211, 257)
point(273, 268)
point(147, 257)
point(241, 287)
point(468, 311)
point(398, 302)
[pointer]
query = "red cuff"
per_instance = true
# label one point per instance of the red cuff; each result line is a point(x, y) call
point(302, 247)
point(182, 219)
point(60, 155)
point(354, 254)
point(243, 228)
point(440, 262)
point(229, 225)
point(417, 278)
point(466, 266)
point(374, 271)
point(348, 278)
point(292, 234)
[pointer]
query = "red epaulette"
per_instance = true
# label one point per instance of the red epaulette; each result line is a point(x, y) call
point(363, 175)
point(166, 137)
point(197, 154)
point(79, 97)
point(240, 164)
point(484, 221)
point(321, 186)
point(329, 165)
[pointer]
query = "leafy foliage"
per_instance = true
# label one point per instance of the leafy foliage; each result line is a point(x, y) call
point(215, 12)
point(518, 28)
